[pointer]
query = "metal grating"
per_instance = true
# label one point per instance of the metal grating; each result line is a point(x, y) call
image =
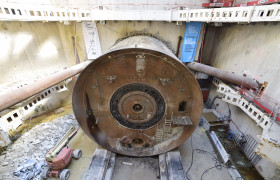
point(247, 144)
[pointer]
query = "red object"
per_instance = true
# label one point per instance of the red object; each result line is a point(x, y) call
point(60, 162)
point(56, 167)
point(219, 3)
point(54, 173)
point(205, 94)
point(62, 159)
point(265, 108)
point(264, 102)
point(259, 2)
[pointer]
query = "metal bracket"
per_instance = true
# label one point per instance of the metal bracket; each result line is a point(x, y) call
point(182, 120)
point(111, 78)
point(165, 80)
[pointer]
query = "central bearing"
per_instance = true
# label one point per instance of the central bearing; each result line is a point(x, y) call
point(137, 106)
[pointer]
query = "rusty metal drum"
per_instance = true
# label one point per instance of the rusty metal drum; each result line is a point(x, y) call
point(138, 99)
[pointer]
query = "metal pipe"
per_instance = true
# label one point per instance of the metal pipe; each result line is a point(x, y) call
point(11, 98)
point(178, 46)
point(225, 75)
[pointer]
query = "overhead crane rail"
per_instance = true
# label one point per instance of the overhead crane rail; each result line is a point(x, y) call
point(16, 12)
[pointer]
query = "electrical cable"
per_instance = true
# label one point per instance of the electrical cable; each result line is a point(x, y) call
point(212, 102)
point(207, 170)
point(229, 118)
point(229, 113)
point(236, 126)
point(218, 165)
point(191, 161)
point(204, 152)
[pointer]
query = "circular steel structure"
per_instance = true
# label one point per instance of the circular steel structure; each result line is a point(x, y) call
point(138, 99)
point(137, 106)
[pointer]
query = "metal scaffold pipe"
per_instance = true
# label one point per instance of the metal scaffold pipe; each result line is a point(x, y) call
point(225, 75)
point(11, 98)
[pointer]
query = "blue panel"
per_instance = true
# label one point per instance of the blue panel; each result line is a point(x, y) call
point(190, 41)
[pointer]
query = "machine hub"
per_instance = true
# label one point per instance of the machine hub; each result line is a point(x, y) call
point(137, 106)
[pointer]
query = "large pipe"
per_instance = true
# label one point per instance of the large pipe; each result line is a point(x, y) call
point(224, 75)
point(11, 98)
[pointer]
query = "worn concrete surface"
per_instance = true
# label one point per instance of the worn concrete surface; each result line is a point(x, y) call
point(127, 168)
point(32, 49)
point(35, 49)
point(78, 168)
point(201, 161)
point(131, 168)
point(34, 144)
point(252, 49)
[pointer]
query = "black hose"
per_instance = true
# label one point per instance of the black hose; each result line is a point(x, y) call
point(212, 102)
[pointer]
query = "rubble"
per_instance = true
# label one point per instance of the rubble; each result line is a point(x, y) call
point(29, 169)
point(34, 144)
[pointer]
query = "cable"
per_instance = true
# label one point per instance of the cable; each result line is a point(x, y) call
point(212, 102)
point(218, 165)
point(207, 170)
point(229, 118)
point(191, 161)
point(236, 126)
point(229, 111)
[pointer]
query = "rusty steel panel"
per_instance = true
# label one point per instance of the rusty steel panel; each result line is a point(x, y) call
point(126, 99)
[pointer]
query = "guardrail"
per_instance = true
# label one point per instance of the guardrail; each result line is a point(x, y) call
point(234, 14)
point(14, 12)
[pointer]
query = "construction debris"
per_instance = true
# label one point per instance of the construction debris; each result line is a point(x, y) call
point(34, 145)
point(29, 169)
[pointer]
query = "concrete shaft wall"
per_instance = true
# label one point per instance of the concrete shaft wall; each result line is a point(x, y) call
point(254, 50)
point(34, 49)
